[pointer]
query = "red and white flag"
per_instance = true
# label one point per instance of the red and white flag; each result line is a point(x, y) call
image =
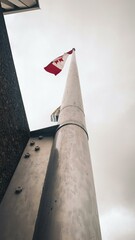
point(57, 64)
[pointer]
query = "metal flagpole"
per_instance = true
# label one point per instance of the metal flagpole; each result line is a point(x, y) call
point(68, 209)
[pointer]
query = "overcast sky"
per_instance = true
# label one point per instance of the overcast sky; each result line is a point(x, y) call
point(103, 33)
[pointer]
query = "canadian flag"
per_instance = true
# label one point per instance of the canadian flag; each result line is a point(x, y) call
point(57, 64)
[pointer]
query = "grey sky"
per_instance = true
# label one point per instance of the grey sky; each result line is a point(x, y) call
point(103, 33)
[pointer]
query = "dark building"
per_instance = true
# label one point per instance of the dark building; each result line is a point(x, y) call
point(14, 129)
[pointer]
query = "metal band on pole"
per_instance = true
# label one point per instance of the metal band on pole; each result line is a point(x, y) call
point(76, 124)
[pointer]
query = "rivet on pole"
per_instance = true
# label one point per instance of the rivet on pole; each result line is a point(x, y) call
point(40, 137)
point(27, 155)
point(32, 143)
point(37, 148)
point(18, 190)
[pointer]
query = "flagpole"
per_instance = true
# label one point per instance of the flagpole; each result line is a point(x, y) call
point(68, 208)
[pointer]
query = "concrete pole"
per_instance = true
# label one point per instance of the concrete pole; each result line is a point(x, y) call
point(68, 209)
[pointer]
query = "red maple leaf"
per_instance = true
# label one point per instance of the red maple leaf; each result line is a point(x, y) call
point(59, 60)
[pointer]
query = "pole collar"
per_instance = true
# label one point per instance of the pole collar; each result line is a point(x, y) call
point(73, 123)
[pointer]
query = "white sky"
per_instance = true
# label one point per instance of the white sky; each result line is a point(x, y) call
point(103, 33)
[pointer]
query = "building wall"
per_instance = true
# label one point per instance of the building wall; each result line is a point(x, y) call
point(14, 130)
point(18, 212)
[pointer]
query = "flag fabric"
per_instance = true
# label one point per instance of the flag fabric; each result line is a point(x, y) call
point(55, 115)
point(57, 64)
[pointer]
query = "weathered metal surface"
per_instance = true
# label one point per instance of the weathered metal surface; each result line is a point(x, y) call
point(14, 130)
point(68, 209)
point(19, 208)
